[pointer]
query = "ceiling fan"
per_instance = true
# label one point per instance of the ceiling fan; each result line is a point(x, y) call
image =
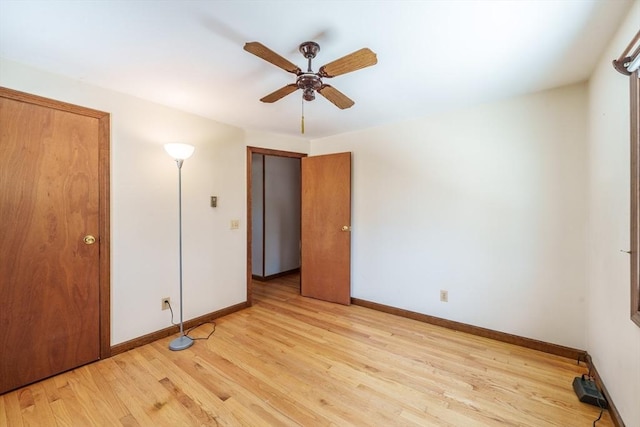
point(309, 81)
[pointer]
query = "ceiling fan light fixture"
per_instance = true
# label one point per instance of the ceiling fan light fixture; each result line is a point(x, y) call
point(309, 94)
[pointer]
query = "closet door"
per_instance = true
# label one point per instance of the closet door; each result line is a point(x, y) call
point(50, 251)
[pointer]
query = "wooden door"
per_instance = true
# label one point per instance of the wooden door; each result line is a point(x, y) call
point(326, 223)
point(49, 272)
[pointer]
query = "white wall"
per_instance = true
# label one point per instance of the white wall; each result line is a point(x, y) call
point(487, 203)
point(613, 339)
point(144, 215)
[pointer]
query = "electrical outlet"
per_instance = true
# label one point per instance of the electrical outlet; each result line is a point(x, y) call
point(235, 224)
point(444, 296)
point(166, 303)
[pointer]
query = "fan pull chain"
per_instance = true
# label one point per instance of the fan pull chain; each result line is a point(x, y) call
point(302, 119)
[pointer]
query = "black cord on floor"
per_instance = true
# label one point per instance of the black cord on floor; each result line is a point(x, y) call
point(194, 327)
point(582, 357)
point(599, 416)
point(202, 338)
point(587, 359)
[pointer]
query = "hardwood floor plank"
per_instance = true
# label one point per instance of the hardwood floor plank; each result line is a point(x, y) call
point(82, 395)
point(129, 421)
point(158, 401)
point(249, 416)
point(35, 408)
point(64, 416)
point(294, 361)
point(268, 369)
point(283, 354)
point(119, 386)
point(101, 394)
point(10, 414)
point(136, 402)
point(246, 387)
point(187, 389)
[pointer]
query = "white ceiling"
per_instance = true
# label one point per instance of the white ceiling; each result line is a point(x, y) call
point(432, 55)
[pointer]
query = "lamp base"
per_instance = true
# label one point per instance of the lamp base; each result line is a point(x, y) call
point(181, 343)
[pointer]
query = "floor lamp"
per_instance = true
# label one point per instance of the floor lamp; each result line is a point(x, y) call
point(180, 152)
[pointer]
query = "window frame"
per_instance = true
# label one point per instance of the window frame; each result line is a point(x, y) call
point(635, 195)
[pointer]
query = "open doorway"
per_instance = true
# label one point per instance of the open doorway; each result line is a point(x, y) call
point(273, 235)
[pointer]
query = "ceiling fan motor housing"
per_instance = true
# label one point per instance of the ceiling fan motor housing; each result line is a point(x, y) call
point(309, 82)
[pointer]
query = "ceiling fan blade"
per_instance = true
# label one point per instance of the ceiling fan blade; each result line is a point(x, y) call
point(261, 51)
point(338, 98)
point(280, 93)
point(354, 61)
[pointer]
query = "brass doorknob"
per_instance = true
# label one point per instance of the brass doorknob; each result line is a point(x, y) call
point(346, 228)
point(89, 239)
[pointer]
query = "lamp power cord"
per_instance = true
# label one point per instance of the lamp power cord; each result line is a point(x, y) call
point(186, 333)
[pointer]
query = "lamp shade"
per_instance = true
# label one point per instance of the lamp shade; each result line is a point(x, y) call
point(179, 151)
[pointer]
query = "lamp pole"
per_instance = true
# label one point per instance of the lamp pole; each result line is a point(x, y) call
point(180, 152)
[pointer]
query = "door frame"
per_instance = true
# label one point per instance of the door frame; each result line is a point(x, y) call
point(250, 152)
point(104, 240)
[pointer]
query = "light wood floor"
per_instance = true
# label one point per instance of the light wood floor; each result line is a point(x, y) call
point(290, 360)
